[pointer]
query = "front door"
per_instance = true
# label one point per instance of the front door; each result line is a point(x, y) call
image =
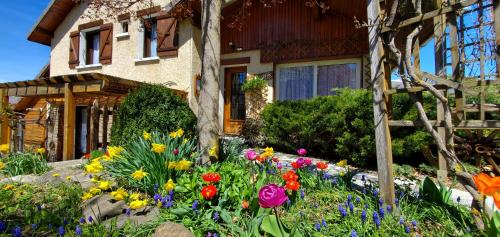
point(234, 100)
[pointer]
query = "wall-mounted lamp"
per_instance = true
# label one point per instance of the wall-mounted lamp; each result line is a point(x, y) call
point(233, 47)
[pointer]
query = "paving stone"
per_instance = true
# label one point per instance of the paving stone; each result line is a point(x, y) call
point(171, 229)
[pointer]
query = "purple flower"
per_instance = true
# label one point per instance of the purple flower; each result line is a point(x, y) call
point(358, 199)
point(155, 188)
point(169, 204)
point(279, 165)
point(250, 155)
point(407, 229)
point(380, 202)
point(61, 231)
point(215, 235)
point(34, 226)
point(17, 232)
point(342, 211)
point(82, 220)
point(354, 233)
point(317, 227)
point(323, 223)
point(78, 230)
point(91, 219)
point(334, 181)
point(382, 212)
point(271, 196)
point(351, 207)
point(195, 205)
point(300, 162)
point(302, 194)
point(301, 152)
point(349, 198)
point(209, 234)
point(414, 223)
point(376, 219)
point(401, 221)
point(375, 192)
point(216, 216)
point(307, 161)
point(363, 216)
point(127, 212)
point(389, 208)
point(396, 201)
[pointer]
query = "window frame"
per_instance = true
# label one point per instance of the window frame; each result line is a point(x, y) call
point(141, 42)
point(82, 54)
point(315, 65)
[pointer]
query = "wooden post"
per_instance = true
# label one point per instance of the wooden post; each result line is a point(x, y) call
point(382, 133)
point(94, 125)
point(4, 127)
point(440, 61)
point(105, 119)
point(69, 123)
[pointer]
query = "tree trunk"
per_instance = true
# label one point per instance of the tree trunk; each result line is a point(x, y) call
point(208, 105)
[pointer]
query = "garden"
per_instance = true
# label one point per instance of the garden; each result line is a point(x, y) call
point(152, 177)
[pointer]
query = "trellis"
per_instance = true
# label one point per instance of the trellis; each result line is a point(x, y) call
point(463, 66)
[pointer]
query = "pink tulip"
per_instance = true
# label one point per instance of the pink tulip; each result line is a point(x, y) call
point(251, 155)
point(307, 161)
point(302, 152)
point(271, 196)
point(300, 162)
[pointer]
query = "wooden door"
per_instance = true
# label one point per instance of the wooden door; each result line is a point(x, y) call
point(234, 100)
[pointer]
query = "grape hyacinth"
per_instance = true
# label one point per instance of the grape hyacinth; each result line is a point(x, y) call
point(363, 216)
point(376, 219)
point(216, 216)
point(351, 207)
point(354, 233)
point(358, 199)
point(82, 220)
point(317, 227)
point(91, 219)
point(396, 201)
point(401, 221)
point(349, 198)
point(17, 232)
point(323, 223)
point(375, 192)
point(195, 205)
point(78, 230)
point(61, 231)
point(407, 229)
point(155, 188)
point(382, 212)
point(302, 194)
point(414, 223)
point(127, 212)
point(389, 208)
point(34, 226)
point(342, 211)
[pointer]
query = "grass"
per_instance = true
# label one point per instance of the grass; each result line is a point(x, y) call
point(24, 163)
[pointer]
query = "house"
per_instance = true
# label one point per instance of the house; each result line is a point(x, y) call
point(94, 62)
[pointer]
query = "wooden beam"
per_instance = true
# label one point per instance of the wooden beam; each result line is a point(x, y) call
point(382, 133)
point(105, 119)
point(4, 127)
point(69, 123)
point(433, 14)
point(467, 124)
point(56, 89)
point(94, 125)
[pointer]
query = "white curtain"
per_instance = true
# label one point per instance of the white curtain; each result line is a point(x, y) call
point(153, 39)
point(296, 83)
point(337, 76)
point(95, 46)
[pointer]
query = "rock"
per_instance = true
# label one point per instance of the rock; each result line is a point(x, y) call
point(171, 229)
point(103, 207)
point(136, 217)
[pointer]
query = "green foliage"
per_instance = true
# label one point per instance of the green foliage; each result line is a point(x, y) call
point(42, 205)
point(256, 84)
point(433, 193)
point(151, 108)
point(405, 170)
point(231, 149)
point(24, 163)
point(138, 154)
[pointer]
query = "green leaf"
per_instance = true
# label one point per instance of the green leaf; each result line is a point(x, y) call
point(493, 229)
point(430, 191)
point(179, 211)
point(271, 225)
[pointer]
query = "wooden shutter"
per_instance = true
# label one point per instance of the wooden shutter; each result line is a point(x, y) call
point(106, 43)
point(166, 36)
point(74, 49)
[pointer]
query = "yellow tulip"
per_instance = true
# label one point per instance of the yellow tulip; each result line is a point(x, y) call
point(169, 185)
point(139, 174)
point(213, 151)
point(268, 152)
point(342, 163)
point(158, 148)
point(119, 194)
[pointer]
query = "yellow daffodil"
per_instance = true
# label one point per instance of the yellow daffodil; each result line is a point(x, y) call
point(171, 165)
point(94, 167)
point(268, 152)
point(94, 191)
point(342, 163)
point(119, 194)
point(56, 175)
point(135, 196)
point(8, 187)
point(87, 196)
point(2, 165)
point(146, 136)
point(169, 185)
point(104, 185)
point(138, 204)
point(68, 178)
point(41, 150)
point(114, 151)
point(4, 148)
point(185, 141)
point(139, 174)
point(213, 151)
point(158, 148)
point(342, 173)
point(178, 133)
point(183, 165)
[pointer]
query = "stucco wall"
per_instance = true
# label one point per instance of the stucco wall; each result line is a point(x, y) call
point(174, 72)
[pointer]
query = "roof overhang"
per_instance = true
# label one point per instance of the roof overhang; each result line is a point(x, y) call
point(52, 16)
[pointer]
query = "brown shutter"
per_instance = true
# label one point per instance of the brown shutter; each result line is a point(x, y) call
point(166, 31)
point(74, 49)
point(106, 43)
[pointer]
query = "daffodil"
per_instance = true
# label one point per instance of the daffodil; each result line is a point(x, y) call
point(56, 175)
point(4, 148)
point(139, 174)
point(119, 194)
point(104, 185)
point(185, 141)
point(183, 165)
point(87, 196)
point(138, 204)
point(146, 136)
point(94, 191)
point(158, 148)
point(41, 150)
point(68, 178)
point(178, 133)
point(94, 167)
point(8, 187)
point(2, 165)
point(213, 151)
point(342, 163)
point(268, 152)
point(135, 196)
point(169, 185)
point(114, 151)
point(171, 165)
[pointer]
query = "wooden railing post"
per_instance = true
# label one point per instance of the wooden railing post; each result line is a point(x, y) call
point(4, 128)
point(94, 125)
point(69, 123)
point(382, 133)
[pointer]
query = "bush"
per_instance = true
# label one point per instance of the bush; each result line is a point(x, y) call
point(24, 163)
point(255, 84)
point(151, 108)
point(339, 127)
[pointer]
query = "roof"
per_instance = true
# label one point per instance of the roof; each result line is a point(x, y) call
point(52, 16)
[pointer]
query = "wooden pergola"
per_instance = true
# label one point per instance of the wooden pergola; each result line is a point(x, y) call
point(78, 89)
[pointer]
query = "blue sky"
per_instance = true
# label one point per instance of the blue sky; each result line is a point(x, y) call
point(21, 59)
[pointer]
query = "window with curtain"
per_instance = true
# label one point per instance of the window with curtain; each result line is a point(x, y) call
point(316, 79)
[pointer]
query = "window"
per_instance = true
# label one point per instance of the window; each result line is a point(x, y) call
point(306, 80)
point(124, 25)
point(90, 42)
point(150, 39)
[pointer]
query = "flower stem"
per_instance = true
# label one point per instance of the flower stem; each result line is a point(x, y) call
point(279, 222)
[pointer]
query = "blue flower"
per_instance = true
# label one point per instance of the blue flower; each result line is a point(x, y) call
point(407, 229)
point(351, 207)
point(288, 202)
point(389, 208)
point(127, 212)
point(65, 222)
point(195, 205)
point(39, 207)
point(155, 188)
point(326, 176)
point(382, 212)
point(380, 202)
point(363, 215)
point(34, 226)
point(302, 194)
point(215, 235)
point(334, 181)
point(82, 220)
point(157, 197)
point(91, 219)
point(349, 198)
point(61, 231)
point(354, 233)
point(209, 234)
point(323, 223)
point(342, 211)
point(414, 223)
point(49, 226)
point(317, 227)
point(17, 232)
point(401, 221)
point(458, 199)
point(375, 192)
point(376, 219)
point(358, 199)
point(3, 226)
point(396, 201)
point(78, 230)
point(216, 216)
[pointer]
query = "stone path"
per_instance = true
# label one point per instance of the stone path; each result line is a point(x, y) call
point(465, 197)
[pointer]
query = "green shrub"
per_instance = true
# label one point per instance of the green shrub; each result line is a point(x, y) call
point(340, 126)
point(151, 108)
point(255, 84)
point(24, 163)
